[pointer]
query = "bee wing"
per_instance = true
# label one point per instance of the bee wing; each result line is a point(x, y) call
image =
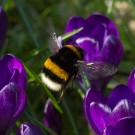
point(95, 70)
point(55, 45)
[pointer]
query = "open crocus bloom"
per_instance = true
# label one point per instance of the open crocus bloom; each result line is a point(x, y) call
point(99, 39)
point(115, 114)
point(12, 91)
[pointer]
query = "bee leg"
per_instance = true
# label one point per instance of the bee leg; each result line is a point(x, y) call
point(63, 90)
point(73, 78)
point(61, 95)
point(65, 86)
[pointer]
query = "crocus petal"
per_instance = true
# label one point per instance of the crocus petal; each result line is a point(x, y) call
point(124, 93)
point(76, 23)
point(52, 117)
point(4, 71)
point(3, 26)
point(100, 114)
point(99, 34)
point(28, 129)
point(112, 48)
point(123, 109)
point(111, 131)
point(131, 81)
point(92, 95)
point(97, 19)
point(10, 101)
point(20, 105)
point(90, 46)
point(18, 79)
point(13, 64)
point(126, 126)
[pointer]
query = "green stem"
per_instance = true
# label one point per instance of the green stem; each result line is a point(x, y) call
point(70, 116)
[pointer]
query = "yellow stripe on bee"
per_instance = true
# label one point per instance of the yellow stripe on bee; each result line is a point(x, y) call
point(55, 69)
point(74, 49)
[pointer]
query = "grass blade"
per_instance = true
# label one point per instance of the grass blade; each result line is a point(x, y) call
point(37, 79)
point(40, 124)
point(68, 35)
point(27, 23)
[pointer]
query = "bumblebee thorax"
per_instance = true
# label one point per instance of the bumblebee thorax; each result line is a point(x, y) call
point(77, 50)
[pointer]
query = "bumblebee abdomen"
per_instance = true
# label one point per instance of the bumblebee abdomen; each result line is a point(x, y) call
point(53, 75)
point(56, 69)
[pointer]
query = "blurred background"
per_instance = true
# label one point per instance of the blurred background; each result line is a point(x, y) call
point(28, 37)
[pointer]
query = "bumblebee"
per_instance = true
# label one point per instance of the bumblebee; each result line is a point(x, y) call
point(67, 62)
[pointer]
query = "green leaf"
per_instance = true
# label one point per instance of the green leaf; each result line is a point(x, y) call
point(68, 35)
point(35, 77)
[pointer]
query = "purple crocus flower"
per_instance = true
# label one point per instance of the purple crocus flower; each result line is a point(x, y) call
point(3, 26)
point(99, 39)
point(29, 129)
point(114, 115)
point(12, 91)
point(52, 117)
